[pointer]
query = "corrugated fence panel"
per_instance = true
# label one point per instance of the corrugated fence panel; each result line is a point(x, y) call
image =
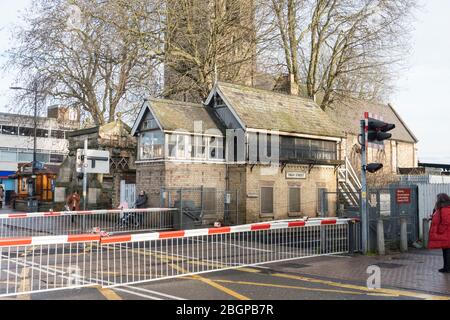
point(427, 200)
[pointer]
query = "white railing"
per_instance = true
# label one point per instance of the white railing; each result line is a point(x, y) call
point(349, 183)
point(81, 222)
point(36, 264)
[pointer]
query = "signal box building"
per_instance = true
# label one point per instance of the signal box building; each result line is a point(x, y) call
point(282, 155)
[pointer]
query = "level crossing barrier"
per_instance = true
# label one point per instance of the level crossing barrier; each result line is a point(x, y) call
point(82, 222)
point(31, 265)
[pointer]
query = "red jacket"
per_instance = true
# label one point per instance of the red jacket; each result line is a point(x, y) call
point(440, 229)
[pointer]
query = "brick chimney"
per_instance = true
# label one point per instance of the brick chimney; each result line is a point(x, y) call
point(285, 83)
point(293, 87)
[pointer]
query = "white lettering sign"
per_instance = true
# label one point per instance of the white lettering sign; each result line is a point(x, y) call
point(97, 161)
point(295, 175)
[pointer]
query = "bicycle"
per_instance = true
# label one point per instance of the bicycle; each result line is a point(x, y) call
point(129, 219)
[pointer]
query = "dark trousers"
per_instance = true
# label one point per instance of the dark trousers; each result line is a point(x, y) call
point(446, 253)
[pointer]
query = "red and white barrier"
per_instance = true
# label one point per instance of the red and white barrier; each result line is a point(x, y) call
point(73, 261)
point(21, 215)
point(223, 230)
point(26, 241)
point(285, 224)
point(84, 222)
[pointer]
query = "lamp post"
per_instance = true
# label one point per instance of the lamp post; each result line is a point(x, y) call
point(33, 165)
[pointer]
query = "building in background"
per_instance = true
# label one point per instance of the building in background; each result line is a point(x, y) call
point(104, 190)
point(17, 141)
point(188, 147)
point(192, 24)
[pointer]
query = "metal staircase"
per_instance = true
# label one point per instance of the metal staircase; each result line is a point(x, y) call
point(349, 187)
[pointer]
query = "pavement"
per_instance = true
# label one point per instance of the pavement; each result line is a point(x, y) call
point(407, 276)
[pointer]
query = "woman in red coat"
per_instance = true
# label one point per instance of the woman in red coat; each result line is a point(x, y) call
point(440, 229)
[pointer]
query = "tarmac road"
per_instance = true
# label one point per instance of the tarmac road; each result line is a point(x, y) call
point(278, 281)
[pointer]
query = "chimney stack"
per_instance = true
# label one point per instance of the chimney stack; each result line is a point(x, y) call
point(293, 87)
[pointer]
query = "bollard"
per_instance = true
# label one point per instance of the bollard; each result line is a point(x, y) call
point(403, 235)
point(380, 238)
point(426, 232)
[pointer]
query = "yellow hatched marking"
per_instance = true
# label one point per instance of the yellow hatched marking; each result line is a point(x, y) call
point(109, 294)
point(390, 292)
point(25, 284)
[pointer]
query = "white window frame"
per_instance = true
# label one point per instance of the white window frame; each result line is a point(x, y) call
point(141, 145)
point(218, 144)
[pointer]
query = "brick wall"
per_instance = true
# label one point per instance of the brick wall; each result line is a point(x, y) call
point(151, 177)
point(319, 177)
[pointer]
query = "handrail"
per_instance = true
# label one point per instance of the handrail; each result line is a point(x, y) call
point(352, 172)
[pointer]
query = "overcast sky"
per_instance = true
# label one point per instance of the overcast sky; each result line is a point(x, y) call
point(422, 91)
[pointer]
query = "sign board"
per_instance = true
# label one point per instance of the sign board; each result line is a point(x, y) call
point(97, 161)
point(385, 204)
point(295, 175)
point(403, 196)
point(227, 198)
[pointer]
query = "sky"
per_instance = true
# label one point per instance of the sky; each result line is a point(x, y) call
point(422, 90)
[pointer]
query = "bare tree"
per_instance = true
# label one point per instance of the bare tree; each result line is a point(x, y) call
point(205, 39)
point(76, 49)
point(342, 47)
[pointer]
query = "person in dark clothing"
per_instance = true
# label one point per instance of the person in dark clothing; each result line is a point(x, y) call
point(440, 229)
point(2, 196)
point(141, 201)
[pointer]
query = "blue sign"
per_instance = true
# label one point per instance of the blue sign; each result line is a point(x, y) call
point(38, 165)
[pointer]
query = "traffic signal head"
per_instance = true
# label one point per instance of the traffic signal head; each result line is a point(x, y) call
point(374, 167)
point(378, 136)
point(378, 130)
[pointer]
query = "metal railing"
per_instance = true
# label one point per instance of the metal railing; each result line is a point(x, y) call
point(81, 222)
point(349, 185)
point(37, 264)
point(47, 263)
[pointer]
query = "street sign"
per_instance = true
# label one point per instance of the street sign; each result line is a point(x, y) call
point(97, 161)
point(295, 175)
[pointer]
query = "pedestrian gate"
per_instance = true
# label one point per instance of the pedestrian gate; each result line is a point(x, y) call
point(391, 204)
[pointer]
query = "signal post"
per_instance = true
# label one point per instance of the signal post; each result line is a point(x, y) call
point(374, 132)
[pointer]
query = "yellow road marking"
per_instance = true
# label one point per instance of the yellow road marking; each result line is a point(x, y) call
point(210, 282)
point(250, 270)
point(221, 288)
point(391, 292)
point(214, 284)
point(25, 284)
point(290, 287)
point(109, 294)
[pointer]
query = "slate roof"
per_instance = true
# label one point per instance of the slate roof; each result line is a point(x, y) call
point(268, 110)
point(349, 112)
point(179, 116)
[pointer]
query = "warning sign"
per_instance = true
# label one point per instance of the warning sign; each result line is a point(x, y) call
point(403, 196)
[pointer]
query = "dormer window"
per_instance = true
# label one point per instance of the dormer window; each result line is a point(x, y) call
point(149, 124)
